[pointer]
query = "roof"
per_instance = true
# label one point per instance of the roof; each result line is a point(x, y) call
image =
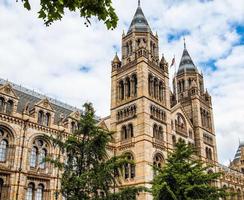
point(29, 96)
point(238, 152)
point(139, 22)
point(186, 63)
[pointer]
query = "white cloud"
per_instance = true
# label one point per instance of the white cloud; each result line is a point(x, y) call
point(49, 58)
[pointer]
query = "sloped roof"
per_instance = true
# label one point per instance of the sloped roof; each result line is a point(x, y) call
point(186, 63)
point(139, 22)
point(31, 97)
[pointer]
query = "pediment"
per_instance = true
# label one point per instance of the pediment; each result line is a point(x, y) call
point(45, 103)
point(75, 115)
point(8, 90)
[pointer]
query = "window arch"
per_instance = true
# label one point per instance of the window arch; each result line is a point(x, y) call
point(158, 160)
point(40, 117)
point(30, 191)
point(1, 187)
point(127, 132)
point(38, 154)
point(5, 139)
point(129, 168)
point(2, 104)
point(239, 195)
point(3, 150)
point(47, 119)
point(155, 130)
point(40, 192)
point(123, 133)
point(128, 87)
point(121, 90)
point(9, 107)
point(73, 127)
point(173, 140)
point(134, 85)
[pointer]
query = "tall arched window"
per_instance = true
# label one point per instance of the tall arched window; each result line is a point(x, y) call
point(3, 150)
point(30, 191)
point(38, 154)
point(40, 192)
point(239, 194)
point(2, 104)
point(134, 86)
point(129, 169)
point(174, 140)
point(1, 187)
point(124, 133)
point(155, 88)
point(73, 127)
point(130, 131)
point(9, 107)
point(42, 156)
point(47, 119)
point(40, 117)
point(33, 157)
point(155, 130)
point(128, 87)
point(121, 90)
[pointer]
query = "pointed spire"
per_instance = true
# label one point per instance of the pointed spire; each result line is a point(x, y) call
point(186, 63)
point(139, 22)
point(184, 43)
point(116, 58)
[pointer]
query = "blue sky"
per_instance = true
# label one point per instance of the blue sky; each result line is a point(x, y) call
point(72, 63)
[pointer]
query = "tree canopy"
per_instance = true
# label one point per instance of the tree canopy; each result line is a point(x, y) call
point(88, 172)
point(53, 10)
point(185, 178)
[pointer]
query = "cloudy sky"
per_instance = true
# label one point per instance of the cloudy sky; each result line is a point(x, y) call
point(70, 62)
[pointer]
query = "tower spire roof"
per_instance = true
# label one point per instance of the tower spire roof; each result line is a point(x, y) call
point(139, 22)
point(186, 63)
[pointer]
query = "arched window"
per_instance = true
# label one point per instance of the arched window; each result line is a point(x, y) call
point(30, 191)
point(3, 150)
point(129, 169)
point(150, 84)
point(155, 130)
point(174, 140)
point(158, 160)
point(130, 131)
point(47, 119)
point(38, 154)
point(73, 127)
point(121, 90)
point(2, 104)
point(134, 85)
point(155, 88)
point(40, 117)
point(128, 87)
point(40, 192)
point(239, 194)
point(33, 157)
point(42, 156)
point(160, 133)
point(9, 107)
point(124, 133)
point(1, 187)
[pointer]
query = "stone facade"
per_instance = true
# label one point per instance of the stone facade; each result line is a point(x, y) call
point(146, 116)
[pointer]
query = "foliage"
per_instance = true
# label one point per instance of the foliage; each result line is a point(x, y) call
point(185, 178)
point(53, 10)
point(89, 173)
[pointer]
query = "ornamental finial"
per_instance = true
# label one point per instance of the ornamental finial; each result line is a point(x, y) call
point(139, 3)
point(184, 43)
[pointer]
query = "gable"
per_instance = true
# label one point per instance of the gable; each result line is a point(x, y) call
point(44, 103)
point(8, 91)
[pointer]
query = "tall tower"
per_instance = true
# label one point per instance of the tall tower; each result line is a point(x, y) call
point(140, 102)
point(189, 91)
